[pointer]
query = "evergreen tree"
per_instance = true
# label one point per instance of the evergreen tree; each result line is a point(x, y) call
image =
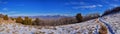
point(79, 17)
point(5, 17)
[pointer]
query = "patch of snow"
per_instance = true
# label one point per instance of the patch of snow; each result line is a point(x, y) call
point(114, 21)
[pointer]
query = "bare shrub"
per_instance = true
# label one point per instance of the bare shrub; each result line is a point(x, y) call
point(19, 20)
point(36, 21)
point(91, 16)
point(27, 21)
point(68, 20)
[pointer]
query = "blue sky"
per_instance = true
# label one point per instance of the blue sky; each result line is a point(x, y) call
point(55, 7)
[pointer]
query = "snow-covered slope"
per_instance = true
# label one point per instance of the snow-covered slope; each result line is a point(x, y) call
point(79, 28)
point(15, 28)
point(88, 27)
point(114, 21)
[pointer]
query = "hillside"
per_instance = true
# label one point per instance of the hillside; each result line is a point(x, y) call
point(16, 28)
point(114, 21)
point(93, 26)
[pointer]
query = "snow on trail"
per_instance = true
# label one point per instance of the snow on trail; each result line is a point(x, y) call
point(107, 25)
point(96, 30)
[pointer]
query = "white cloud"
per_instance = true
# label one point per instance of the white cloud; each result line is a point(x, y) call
point(100, 5)
point(81, 4)
point(77, 7)
point(19, 14)
point(25, 14)
point(90, 6)
point(5, 9)
point(114, 5)
point(10, 12)
point(75, 3)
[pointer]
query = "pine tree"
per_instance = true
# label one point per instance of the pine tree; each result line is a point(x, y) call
point(5, 17)
point(79, 17)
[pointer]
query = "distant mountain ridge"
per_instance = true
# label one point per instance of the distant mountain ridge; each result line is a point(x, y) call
point(45, 17)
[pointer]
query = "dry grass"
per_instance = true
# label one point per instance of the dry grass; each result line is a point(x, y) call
point(103, 28)
point(6, 21)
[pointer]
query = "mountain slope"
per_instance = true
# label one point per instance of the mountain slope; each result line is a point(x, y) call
point(93, 26)
point(114, 21)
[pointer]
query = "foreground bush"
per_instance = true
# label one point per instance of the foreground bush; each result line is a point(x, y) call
point(27, 21)
point(19, 20)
